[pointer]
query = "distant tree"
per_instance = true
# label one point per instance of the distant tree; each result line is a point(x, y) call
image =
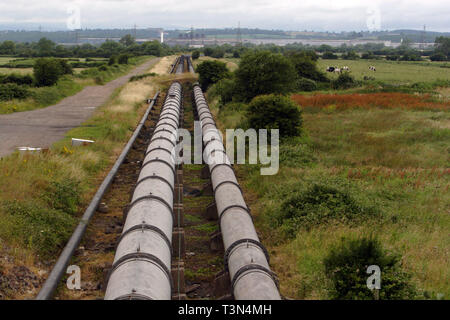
point(208, 51)
point(45, 47)
point(7, 47)
point(442, 45)
point(195, 54)
point(127, 40)
point(438, 57)
point(66, 68)
point(123, 59)
point(211, 72)
point(305, 66)
point(47, 71)
point(218, 53)
point(350, 55)
point(112, 60)
point(263, 72)
point(329, 55)
point(236, 54)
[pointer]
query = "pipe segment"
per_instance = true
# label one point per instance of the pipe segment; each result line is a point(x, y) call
point(141, 268)
point(246, 259)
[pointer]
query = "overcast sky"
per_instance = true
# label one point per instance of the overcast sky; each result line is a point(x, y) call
point(318, 15)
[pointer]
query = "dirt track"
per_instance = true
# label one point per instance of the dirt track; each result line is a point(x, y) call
point(43, 127)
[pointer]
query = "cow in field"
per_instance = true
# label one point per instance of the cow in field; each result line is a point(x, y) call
point(330, 69)
point(345, 68)
point(372, 68)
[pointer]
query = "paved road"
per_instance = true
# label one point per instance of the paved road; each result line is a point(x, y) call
point(43, 127)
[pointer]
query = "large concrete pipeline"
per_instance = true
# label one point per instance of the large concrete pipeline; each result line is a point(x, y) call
point(141, 268)
point(180, 66)
point(246, 259)
point(190, 66)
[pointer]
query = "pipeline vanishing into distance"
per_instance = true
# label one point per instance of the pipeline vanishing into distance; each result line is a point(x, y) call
point(246, 259)
point(142, 264)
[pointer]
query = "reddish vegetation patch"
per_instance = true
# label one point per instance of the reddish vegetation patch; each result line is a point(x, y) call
point(370, 100)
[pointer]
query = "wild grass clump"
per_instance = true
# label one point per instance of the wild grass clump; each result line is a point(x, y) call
point(35, 226)
point(319, 201)
point(346, 266)
point(297, 152)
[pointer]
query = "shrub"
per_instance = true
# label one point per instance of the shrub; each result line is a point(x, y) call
point(66, 68)
point(305, 64)
point(236, 54)
point(317, 203)
point(211, 72)
point(195, 55)
point(344, 81)
point(275, 112)
point(346, 266)
point(103, 68)
point(208, 51)
point(63, 195)
point(329, 55)
point(225, 90)
point(350, 55)
point(438, 57)
point(304, 84)
point(17, 79)
point(47, 71)
point(112, 60)
point(40, 228)
point(123, 59)
point(11, 91)
point(218, 53)
point(263, 72)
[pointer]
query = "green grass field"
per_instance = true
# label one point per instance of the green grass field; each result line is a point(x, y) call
point(391, 71)
point(68, 85)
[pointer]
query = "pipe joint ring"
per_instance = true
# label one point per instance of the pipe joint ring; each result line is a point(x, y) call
point(244, 241)
point(253, 268)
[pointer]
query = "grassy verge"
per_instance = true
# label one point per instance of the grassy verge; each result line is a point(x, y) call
point(68, 86)
point(380, 171)
point(42, 195)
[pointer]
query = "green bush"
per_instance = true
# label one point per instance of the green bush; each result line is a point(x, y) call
point(17, 79)
point(225, 90)
point(208, 51)
point(329, 55)
point(344, 81)
point(319, 203)
point(263, 72)
point(123, 59)
point(438, 57)
point(47, 71)
point(112, 60)
point(39, 228)
point(66, 68)
point(275, 112)
point(304, 84)
point(11, 91)
point(63, 195)
point(346, 266)
point(211, 72)
point(195, 55)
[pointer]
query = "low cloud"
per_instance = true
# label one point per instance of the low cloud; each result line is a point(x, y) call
point(319, 15)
